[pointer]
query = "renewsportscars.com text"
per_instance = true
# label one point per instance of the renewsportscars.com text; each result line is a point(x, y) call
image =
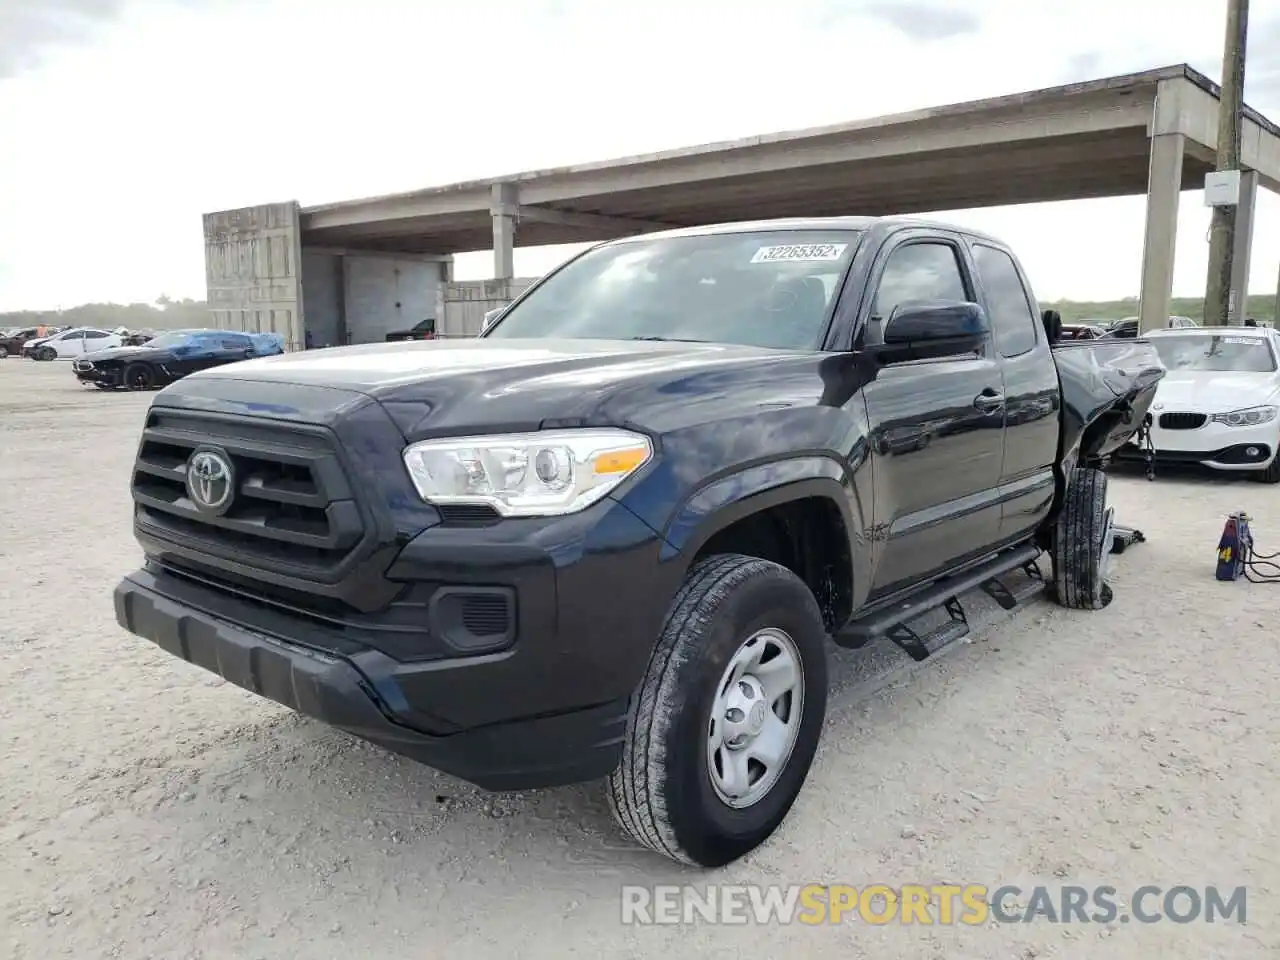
point(931, 904)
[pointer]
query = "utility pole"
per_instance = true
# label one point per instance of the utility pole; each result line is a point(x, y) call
point(1218, 308)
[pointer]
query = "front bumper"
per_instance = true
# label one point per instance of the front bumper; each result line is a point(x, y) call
point(86, 372)
point(353, 692)
point(1213, 445)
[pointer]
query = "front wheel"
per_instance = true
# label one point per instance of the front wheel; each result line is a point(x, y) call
point(139, 376)
point(1269, 475)
point(723, 729)
point(46, 354)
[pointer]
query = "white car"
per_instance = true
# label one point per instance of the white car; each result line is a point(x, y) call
point(71, 344)
point(1219, 403)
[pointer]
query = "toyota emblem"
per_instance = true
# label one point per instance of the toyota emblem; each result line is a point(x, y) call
point(210, 480)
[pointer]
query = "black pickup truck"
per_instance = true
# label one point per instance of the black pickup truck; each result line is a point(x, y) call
point(612, 536)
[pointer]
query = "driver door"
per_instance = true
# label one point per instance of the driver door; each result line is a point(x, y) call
point(936, 425)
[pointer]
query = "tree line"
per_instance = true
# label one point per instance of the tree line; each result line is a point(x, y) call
point(163, 314)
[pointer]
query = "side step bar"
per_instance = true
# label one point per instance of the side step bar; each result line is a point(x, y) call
point(892, 621)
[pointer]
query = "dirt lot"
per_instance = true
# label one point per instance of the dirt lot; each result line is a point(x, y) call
point(149, 810)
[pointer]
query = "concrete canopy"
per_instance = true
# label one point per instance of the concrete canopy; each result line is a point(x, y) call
point(1153, 132)
point(1063, 143)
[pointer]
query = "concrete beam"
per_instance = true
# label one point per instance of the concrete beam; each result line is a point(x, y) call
point(903, 140)
point(457, 199)
point(589, 221)
point(377, 254)
point(1186, 108)
point(1164, 184)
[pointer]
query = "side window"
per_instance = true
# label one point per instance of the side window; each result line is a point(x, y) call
point(1013, 321)
point(235, 343)
point(94, 334)
point(918, 271)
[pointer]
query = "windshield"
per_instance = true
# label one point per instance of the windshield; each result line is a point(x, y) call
point(771, 289)
point(175, 338)
point(1220, 353)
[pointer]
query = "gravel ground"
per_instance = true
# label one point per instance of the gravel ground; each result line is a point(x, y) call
point(149, 810)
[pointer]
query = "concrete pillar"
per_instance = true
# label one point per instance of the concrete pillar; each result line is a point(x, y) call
point(504, 206)
point(1238, 302)
point(1164, 184)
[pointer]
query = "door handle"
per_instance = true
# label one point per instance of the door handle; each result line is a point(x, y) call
point(988, 401)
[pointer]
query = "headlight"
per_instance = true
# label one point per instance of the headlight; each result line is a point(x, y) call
point(1250, 417)
point(550, 473)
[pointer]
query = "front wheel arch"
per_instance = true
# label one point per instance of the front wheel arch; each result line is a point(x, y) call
point(799, 512)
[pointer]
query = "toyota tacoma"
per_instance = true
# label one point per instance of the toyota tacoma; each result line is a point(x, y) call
point(612, 536)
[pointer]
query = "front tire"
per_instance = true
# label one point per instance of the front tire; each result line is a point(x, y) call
point(726, 721)
point(139, 376)
point(46, 354)
point(1269, 475)
point(1082, 543)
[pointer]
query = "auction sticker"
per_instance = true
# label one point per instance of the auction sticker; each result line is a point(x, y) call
point(799, 253)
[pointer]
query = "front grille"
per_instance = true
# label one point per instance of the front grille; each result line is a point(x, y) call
point(1182, 421)
point(292, 509)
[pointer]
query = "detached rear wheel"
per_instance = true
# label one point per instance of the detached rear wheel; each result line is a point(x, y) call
point(727, 719)
point(1082, 542)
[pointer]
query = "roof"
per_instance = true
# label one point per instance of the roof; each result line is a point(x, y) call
point(1067, 142)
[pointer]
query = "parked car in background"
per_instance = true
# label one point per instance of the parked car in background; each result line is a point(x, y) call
point(1127, 328)
point(11, 341)
point(70, 344)
point(171, 356)
point(1219, 403)
point(1081, 331)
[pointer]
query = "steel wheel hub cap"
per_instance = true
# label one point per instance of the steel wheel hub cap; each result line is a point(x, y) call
point(755, 718)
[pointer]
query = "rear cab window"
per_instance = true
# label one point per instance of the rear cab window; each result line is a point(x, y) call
point(1010, 307)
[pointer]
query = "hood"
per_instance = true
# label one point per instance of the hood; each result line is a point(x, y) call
point(122, 353)
point(1207, 392)
point(35, 341)
point(508, 384)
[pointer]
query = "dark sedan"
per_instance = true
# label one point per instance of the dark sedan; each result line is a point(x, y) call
point(11, 341)
point(171, 356)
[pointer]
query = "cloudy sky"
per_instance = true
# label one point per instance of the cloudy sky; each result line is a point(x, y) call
point(123, 121)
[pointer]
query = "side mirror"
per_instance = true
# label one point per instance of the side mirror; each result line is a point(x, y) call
point(489, 318)
point(926, 329)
